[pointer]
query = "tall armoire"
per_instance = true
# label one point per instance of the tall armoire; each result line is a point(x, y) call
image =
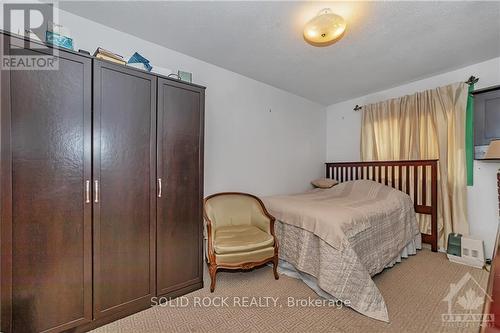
point(101, 184)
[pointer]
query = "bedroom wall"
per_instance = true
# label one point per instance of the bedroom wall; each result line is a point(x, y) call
point(258, 138)
point(343, 142)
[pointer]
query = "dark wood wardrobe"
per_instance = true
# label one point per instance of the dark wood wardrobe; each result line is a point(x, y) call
point(180, 158)
point(101, 191)
point(124, 140)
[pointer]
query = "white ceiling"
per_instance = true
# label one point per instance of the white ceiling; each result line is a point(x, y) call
point(386, 44)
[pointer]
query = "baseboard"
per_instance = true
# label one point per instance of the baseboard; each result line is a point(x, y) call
point(183, 290)
point(132, 310)
point(111, 318)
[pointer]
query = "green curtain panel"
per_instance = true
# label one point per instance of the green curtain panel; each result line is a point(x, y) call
point(469, 136)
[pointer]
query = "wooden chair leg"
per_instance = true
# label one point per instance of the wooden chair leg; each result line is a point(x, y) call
point(213, 272)
point(275, 268)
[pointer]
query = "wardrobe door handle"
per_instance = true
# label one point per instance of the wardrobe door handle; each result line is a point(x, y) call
point(87, 191)
point(96, 188)
point(159, 187)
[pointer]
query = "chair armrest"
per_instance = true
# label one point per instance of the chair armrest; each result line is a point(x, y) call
point(209, 233)
point(262, 219)
point(265, 221)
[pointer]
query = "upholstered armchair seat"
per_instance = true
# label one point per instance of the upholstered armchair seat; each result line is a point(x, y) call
point(239, 233)
point(241, 238)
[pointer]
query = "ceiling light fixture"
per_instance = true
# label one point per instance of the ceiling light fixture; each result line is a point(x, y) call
point(325, 29)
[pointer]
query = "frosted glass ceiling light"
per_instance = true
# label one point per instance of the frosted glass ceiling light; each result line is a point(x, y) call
point(325, 29)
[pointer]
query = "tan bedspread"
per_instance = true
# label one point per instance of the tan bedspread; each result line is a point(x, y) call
point(343, 236)
point(338, 214)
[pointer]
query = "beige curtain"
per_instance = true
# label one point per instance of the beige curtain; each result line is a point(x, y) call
point(425, 125)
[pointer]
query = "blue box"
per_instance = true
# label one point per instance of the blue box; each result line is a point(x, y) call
point(185, 76)
point(58, 40)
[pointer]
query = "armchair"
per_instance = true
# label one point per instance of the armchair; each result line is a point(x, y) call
point(239, 233)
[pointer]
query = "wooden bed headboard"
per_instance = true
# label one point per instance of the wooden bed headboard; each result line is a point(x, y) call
point(418, 178)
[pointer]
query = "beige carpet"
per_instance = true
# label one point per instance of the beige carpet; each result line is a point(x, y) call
point(413, 290)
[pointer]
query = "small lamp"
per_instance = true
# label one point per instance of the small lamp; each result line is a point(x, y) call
point(493, 152)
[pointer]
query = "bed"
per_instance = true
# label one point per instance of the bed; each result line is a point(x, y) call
point(337, 239)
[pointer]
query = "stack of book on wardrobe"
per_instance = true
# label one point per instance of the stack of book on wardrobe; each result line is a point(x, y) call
point(101, 53)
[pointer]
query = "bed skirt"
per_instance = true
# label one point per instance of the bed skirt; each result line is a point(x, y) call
point(335, 274)
point(287, 269)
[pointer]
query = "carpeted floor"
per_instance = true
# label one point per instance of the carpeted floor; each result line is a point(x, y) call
point(413, 290)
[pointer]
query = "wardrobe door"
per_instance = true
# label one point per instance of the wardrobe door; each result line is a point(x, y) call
point(49, 155)
point(179, 172)
point(124, 189)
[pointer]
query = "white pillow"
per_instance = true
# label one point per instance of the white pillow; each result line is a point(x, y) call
point(324, 183)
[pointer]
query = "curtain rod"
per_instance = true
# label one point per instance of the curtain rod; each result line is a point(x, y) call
point(471, 80)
